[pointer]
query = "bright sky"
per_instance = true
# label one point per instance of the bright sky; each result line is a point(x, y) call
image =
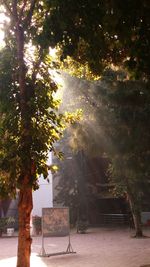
point(2, 19)
point(1, 36)
point(1, 25)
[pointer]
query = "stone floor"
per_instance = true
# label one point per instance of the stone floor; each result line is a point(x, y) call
point(100, 247)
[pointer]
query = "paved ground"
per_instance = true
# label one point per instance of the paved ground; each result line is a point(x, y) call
point(100, 247)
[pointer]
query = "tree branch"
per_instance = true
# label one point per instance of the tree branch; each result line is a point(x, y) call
point(22, 10)
point(28, 18)
point(14, 6)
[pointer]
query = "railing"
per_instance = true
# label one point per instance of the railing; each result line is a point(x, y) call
point(114, 219)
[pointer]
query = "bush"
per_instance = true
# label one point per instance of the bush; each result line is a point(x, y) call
point(6, 222)
point(37, 224)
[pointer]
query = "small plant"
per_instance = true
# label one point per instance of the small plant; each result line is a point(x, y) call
point(82, 226)
point(10, 222)
point(2, 225)
point(6, 222)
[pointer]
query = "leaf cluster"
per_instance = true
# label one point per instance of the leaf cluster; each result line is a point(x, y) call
point(101, 33)
point(26, 138)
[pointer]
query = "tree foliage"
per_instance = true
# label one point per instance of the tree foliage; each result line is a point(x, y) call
point(101, 33)
point(125, 123)
point(115, 125)
point(45, 122)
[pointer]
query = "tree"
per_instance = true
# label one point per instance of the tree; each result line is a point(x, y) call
point(115, 124)
point(123, 115)
point(71, 183)
point(101, 33)
point(30, 122)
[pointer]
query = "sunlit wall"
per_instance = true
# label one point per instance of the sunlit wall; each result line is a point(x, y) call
point(43, 197)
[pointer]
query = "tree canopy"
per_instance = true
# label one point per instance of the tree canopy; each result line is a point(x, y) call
point(45, 123)
point(102, 33)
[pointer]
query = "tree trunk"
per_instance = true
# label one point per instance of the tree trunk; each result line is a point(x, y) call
point(136, 215)
point(24, 240)
point(137, 223)
point(25, 198)
point(82, 216)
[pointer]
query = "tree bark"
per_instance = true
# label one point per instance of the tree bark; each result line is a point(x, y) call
point(25, 196)
point(137, 223)
point(24, 240)
point(136, 215)
point(82, 216)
